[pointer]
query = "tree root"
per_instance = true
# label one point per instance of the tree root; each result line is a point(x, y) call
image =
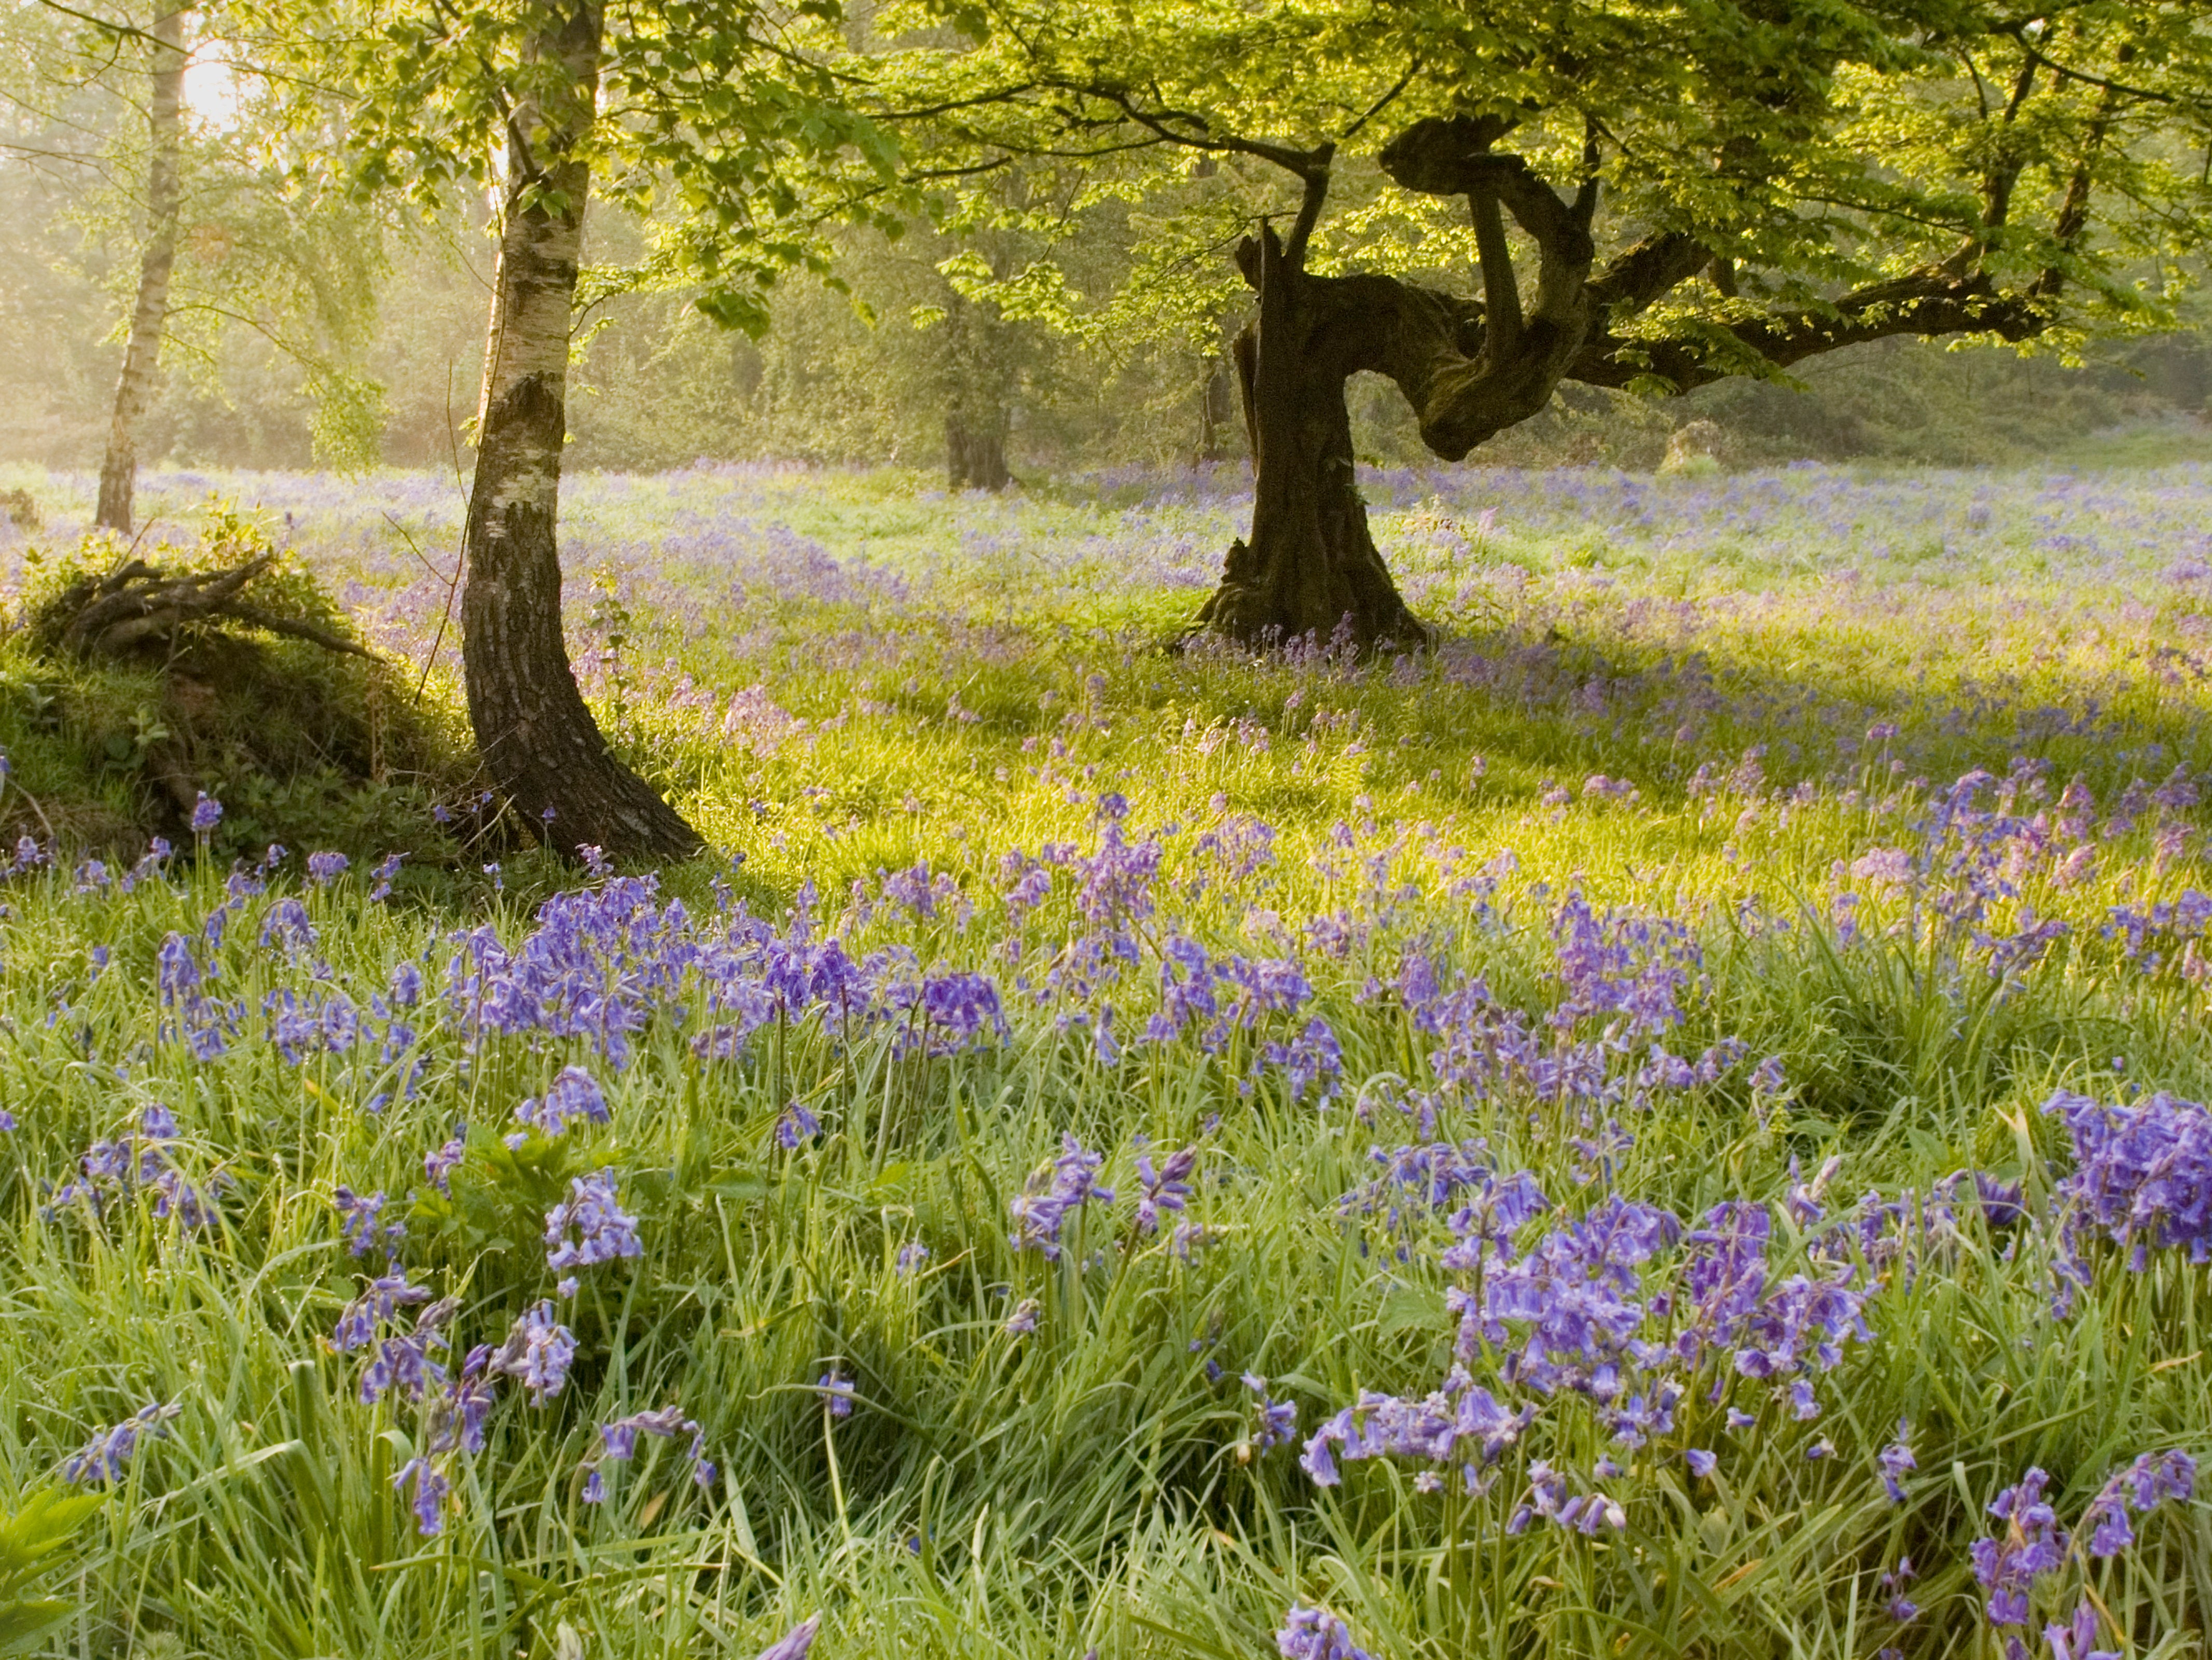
point(137, 609)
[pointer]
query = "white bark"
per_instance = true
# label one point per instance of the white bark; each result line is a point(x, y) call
point(141, 356)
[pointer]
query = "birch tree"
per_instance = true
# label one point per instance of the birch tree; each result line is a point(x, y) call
point(716, 120)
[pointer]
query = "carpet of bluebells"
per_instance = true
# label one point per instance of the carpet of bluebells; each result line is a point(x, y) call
point(1667, 1123)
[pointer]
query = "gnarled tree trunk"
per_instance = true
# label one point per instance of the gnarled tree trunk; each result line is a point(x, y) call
point(1472, 368)
point(1311, 566)
point(142, 355)
point(537, 736)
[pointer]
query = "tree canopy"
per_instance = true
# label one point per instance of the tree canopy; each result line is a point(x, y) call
point(1654, 195)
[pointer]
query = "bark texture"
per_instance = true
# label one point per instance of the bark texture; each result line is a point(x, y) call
point(142, 354)
point(1311, 566)
point(975, 450)
point(535, 734)
point(977, 374)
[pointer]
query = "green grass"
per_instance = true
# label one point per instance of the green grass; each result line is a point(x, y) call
point(1091, 1484)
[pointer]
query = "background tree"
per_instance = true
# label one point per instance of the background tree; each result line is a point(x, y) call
point(244, 296)
point(1723, 188)
point(718, 109)
point(164, 48)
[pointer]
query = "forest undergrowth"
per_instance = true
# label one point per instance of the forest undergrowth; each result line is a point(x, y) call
point(1665, 1124)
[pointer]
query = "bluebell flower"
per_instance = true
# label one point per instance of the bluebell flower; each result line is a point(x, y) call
point(574, 1094)
point(794, 1125)
point(838, 1391)
point(379, 1300)
point(1702, 1463)
point(1023, 1320)
point(1316, 1634)
point(365, 1230)
point(402, 1363)
point(2076, 1640)
point(2143, 1175)
point(539, 1352)
point(2033, 1546)
point(460, 1414)
point(604, 1231)
point(431, 1487)
point(207, 813)
point(382, 877)
point(1164, 1188)
point(794, 1643)
point(324, 868)
point(1041, 1210)
point(438, 1165)
point(102, 1458)
point(1896, 1461)
point(911, 1255)
point(1277, 1419)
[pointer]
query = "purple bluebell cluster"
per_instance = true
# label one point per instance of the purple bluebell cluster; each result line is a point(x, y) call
point(603, 1232)
point(2143, 1177)
point(538, 1353)
point(2033, 1547)
point(573, 1097)
point(102, 1458)
point(2152, 1480)
point(1041, 1210)
point(1164, 1187)
point(115, 1170)
point(1461, 1423)
point(1622, 1308)
point(362, 1214)
point(1316, 1634)
point(618, 1442)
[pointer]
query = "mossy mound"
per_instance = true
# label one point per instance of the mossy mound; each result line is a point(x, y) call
point(129, 686)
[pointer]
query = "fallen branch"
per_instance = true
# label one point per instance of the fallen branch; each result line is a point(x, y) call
point(135, 606)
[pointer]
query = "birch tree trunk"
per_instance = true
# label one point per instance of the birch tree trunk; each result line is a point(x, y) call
point(536, 734)
point(141, 356)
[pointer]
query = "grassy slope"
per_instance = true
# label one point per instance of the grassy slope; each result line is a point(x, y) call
point(971, 677)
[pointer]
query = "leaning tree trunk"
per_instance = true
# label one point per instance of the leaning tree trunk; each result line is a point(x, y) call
point(537, 736)
point(1311, 566)
point(1469, 369)
point(141, 356)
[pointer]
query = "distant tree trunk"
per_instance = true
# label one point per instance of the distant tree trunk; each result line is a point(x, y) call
point(537, 736)
point(1216, 409)
point(975, 449)
point(976, 376)
point(142, 355)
